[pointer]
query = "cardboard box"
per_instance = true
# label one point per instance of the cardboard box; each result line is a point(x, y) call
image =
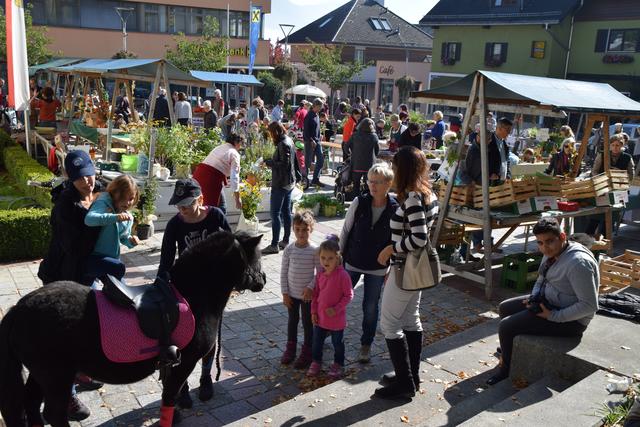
point(615, 197)
point(544, 203)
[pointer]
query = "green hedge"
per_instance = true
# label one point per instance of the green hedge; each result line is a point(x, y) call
point(5, 141)
point(24, 233)
point(23, 168)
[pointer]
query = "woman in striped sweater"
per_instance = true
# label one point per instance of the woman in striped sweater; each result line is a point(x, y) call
point(400, 313)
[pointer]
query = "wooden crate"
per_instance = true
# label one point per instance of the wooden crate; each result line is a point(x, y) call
point(620, 272)
point(510, 192)
point(618, 179)
point(587, 188)
point(524, 189)
point(549, 185)
point(461, 195)
point(451, 234)
point(635, 182)
point(499, 195)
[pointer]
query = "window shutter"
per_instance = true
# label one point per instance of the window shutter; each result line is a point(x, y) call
point(488, 52)
point(503, 52)
point(443, 54)
point(458, 49)
point(601, 40)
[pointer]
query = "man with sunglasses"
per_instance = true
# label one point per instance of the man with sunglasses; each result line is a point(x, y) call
point(563, 300)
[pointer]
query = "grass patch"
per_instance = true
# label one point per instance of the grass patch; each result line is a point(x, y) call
point(614, 413)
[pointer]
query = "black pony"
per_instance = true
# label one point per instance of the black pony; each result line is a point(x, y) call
point(54, 332)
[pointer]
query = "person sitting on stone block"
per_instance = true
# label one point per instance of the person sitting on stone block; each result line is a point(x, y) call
point(564, 298)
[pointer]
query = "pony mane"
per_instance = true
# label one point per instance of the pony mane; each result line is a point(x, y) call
point(210, 259)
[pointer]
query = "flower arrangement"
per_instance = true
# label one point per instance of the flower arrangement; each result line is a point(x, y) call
point(617, 59)
point(144, 212)
point(251, 199)
point(448, 61)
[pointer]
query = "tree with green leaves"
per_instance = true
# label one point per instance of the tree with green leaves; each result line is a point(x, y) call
point(272, 90)
point(326, 63)
point(37, 40)
point(206, 53)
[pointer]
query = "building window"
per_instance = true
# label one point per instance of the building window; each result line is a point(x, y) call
point(386, 93)
point(359, 55)
point(357, 89)
point(495, 54)
point(618, 40)
point(450, 53)
point(239, 25)
point(499, 3)
point(380, 24)
point(537, 49)
point(177, 19)
point(151, 18)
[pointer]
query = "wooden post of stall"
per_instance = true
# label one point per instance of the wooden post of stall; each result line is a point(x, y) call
point(606, 154)
point(73, 96)
point(172, 114)
point(443, 209)
point(486, 209)
point(129, 92)
point(588, 125)
point(154, 94)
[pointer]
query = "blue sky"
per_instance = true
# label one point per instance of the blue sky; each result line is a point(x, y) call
point(302, 12)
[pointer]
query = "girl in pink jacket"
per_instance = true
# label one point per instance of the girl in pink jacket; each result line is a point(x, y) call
point(331, 295)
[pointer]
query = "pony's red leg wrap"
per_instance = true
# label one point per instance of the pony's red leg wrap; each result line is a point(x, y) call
point(166, 415)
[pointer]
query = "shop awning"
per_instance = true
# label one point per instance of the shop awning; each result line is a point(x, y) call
point(59, 62)
point(143, 68)
point(368, 75)
point(555, 94)
point(238, 79)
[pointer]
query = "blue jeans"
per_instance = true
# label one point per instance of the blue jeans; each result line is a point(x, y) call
point(223, 202)
point(99, 266)
point(370, 304)
point(337, 339)
point(280, 212)
point(309, 153)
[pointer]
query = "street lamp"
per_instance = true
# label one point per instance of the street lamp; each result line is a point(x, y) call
point(286, 30)
point(124, 13)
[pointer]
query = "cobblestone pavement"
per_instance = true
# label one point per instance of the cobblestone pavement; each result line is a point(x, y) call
point(253, 339)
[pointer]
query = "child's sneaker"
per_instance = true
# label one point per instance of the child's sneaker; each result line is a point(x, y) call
point(314, 369)
point(336, 371)
point(289, 353)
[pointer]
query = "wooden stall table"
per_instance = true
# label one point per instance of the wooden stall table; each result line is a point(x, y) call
point(332, 146)
point(528, 168)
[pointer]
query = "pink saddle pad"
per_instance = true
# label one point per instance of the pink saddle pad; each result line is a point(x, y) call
point(122, 339)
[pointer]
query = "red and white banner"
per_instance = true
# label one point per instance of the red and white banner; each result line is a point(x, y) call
point(17, 64)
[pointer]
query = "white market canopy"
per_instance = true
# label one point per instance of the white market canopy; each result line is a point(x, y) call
point(306, 90)
point(535, 92)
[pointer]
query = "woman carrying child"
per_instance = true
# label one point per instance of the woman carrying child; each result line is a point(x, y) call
point(331, 295)
point(110, 212)
point(297, 279)
point(193, 223)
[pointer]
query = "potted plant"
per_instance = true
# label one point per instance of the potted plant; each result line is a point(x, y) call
point(251, 199)
point(144, 215)
point(311, 202)
point(330, 207)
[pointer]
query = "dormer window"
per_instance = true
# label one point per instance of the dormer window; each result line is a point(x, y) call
point(380, 24)
point(499, 3)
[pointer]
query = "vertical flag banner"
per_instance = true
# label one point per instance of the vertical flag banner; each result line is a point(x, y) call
point(254, 34)
point(17, 64)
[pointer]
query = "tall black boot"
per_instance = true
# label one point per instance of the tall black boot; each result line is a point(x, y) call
point(403, 386)
point(414, 343)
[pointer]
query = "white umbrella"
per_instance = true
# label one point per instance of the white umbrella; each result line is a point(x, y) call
point(306, 90)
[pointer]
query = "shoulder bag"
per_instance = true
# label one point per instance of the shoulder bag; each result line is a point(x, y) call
point(421, 269)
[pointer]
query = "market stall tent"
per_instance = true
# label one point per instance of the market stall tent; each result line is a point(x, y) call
point(482, 91)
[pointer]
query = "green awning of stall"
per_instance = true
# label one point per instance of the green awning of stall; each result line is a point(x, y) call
point(58, 62)
point(555, 94)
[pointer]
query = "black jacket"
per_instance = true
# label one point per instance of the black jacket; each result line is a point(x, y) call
point(557, 165)
point(210, 119)
point(363, 148)
point(365, 241)
point(311, 131)
point(473, 165)
point(71, 240)
point(161, 111)
point(407, 139)
point(284, 164)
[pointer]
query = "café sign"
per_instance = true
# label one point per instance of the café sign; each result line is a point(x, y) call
point(386, 70)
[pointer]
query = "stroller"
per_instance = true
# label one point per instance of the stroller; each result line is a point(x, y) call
point(344, 191)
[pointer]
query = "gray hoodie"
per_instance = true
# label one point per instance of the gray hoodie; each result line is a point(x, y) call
point(572, 283)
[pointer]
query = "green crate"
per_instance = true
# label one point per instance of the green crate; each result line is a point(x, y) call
point(520, 271)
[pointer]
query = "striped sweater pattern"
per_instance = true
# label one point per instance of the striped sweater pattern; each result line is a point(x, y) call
point(412, 235)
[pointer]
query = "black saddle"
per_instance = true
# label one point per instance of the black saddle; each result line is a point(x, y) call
point(156, 308)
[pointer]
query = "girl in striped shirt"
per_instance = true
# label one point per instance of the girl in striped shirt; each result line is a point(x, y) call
point(400, 312)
